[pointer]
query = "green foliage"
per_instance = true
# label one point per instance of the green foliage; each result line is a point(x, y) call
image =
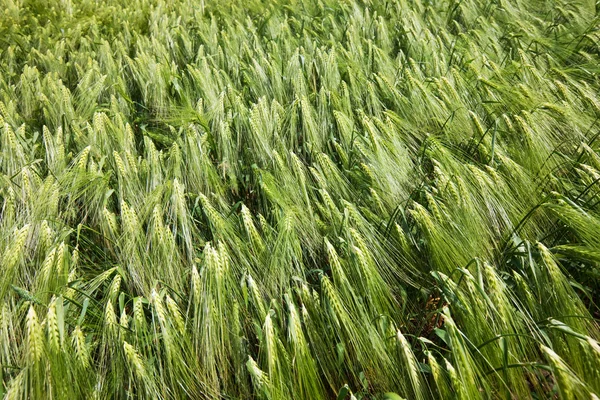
point(286, 199)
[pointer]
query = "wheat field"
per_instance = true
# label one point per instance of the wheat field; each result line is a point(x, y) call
point(300, 199)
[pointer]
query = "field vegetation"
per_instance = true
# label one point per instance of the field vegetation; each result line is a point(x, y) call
point(299, 199)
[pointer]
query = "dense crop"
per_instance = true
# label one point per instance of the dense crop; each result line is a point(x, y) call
point(294, 199)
